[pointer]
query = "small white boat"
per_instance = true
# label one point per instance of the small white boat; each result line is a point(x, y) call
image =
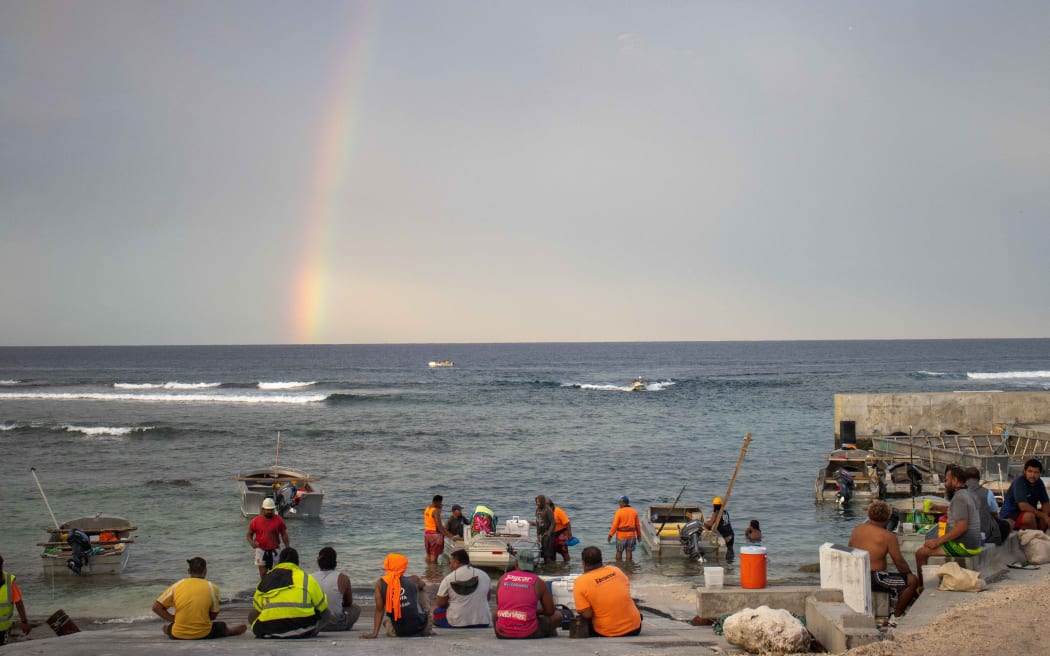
point(295, 493)
point(678, 530)
point(496, 550)
point(859, 464)
point(638, 385)
point(109, 545)
point(433, 364)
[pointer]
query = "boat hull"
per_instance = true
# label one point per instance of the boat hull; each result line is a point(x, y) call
point(495, 550)
point(661, 525)
point(252, 493)
point(112, 557)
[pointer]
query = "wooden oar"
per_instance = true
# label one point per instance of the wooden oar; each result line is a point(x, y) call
point(46, 503)
point(729, 490)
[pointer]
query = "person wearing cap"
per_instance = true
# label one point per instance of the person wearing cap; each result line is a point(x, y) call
point(626, 528)
point(194, 604)
point(265, 533)
point(725, 526)
point(524, 604)
point(456, 522)
point(10, 599)
point(338, 590)
point(288, 602)
point(562, 531)
point(602, 594)
point(434, 531)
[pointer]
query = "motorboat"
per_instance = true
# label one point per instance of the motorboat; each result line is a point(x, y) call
point(856, 466)
point(496, 550)
point(662, 525)
point(907, 479)
point(91, 545)
point(295, 493)
point(638, 385)
point(434, 364)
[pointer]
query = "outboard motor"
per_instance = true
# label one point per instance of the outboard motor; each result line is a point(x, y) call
point(894, 521)
point(915, 476)
point(81, 544)
point(286, 499)
point(844, 484)
point(689, 535)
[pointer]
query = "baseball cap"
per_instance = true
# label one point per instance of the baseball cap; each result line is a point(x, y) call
point(526, 560)
point(624, 499)
point(268, 504)
point(457, 507)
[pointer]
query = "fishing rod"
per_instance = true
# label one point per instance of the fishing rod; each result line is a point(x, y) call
point(32, 470)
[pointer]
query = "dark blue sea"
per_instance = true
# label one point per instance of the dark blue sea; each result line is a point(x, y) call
point(157, 433)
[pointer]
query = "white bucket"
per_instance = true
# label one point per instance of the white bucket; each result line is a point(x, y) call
point(930, 578)
point(713, 577)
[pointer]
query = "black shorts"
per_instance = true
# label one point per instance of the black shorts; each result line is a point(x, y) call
point(218, 630)
point(891, 582)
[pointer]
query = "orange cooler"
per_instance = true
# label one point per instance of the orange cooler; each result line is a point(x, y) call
point(753, 567)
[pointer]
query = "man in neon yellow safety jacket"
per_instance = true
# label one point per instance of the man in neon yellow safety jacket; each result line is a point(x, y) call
point(288, 603)
point(10, 599)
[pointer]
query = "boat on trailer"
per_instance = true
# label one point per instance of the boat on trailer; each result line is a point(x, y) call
point(496, 550)
point(109, 545)
point(295, 493)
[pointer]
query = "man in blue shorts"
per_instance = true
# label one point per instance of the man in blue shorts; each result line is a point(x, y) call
point(963, 535)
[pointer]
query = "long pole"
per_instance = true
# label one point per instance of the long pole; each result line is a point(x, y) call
point(669, 512)
point(725, 499)
point(32, 470)
point(277, 453)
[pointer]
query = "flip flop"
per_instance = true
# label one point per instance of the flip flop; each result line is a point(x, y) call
point(1020, 565)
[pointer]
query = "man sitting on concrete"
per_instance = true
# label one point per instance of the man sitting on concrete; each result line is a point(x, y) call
point(963, 535)
point(463, 596)
point(1021, 501)
point(195, 604)
point(603, 596)
point(872, 536)
point(524, 604)
point(990, 526)
point(288, 603)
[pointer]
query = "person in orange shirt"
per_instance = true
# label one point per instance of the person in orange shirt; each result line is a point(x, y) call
point(562, 531)
point(626, 528)
point(603, 596)
point(434, 531)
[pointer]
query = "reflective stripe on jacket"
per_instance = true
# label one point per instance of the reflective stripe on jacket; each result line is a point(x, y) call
point(287, 598)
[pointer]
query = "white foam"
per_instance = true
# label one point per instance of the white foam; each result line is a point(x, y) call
point(172, 385)
point(1008, 374)
point(7, 427)
point(281, 386)
point(9, 382)
point(165, 398)
point(932, 374)
point(106, 430)
point(125, 620)
point(650, 386)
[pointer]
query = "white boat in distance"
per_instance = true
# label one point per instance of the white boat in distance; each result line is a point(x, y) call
point(433, 364)
point(110, 537)
point(295, 493)
point(638, 385)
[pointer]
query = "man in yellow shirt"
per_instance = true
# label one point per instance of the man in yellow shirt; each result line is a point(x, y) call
point(603, 595)
point(195, 601)
point(626, 528)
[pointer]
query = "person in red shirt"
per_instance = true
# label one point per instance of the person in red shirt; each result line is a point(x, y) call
point(10, 596)
point(265, 533)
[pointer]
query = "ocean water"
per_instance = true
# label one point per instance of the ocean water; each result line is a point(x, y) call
point(157, 433)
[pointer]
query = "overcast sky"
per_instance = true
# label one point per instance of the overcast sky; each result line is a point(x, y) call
point(526, 171)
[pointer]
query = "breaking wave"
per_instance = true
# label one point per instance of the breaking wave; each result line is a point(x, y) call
point(281, 386)
point(1001, 375)
point(107, 430)
point(171, 386)
point(167, 398)
point(650, 386)
point(10, 382)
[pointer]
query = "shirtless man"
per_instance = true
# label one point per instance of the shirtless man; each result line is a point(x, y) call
point(872, 536)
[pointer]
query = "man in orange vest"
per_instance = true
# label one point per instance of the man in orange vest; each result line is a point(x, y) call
point(626, 528)
point(434, 531)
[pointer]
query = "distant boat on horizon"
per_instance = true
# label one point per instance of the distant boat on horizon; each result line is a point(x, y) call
point(433, 364)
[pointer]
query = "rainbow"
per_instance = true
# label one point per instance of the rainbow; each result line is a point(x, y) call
point(328, 181)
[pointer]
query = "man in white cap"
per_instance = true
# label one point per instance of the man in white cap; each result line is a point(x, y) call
point(265, 533)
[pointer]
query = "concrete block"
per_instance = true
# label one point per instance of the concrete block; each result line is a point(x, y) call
point(880, 602)
point(838, 627)
point(714, 603)
point(847, 569)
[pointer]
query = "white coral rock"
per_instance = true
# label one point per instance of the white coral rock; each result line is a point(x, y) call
point(766, 630)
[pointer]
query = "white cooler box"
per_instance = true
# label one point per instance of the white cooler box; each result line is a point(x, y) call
point(516, 526)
